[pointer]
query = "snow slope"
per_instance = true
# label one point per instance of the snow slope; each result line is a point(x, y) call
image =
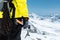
point(42, 29)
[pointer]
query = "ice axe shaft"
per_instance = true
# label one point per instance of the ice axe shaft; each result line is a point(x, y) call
point(27, 33)
point(28, 28)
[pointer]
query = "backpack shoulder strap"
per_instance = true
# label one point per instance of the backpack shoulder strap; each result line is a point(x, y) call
point(13, 13)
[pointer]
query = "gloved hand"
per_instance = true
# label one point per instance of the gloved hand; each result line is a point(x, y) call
point(25, 23)
point(26, 26)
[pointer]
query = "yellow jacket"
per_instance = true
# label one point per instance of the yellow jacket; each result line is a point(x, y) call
point(21, 9)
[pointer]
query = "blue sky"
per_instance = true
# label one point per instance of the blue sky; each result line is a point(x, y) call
point(44, 7)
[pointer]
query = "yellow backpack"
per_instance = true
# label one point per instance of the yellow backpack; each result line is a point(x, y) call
point(20, 9)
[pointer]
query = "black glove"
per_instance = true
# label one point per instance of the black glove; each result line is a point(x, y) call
point(25, 23)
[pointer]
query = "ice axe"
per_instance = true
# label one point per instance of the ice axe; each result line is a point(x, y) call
point(28, 27)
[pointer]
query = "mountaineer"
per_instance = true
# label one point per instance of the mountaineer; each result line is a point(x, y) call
point(12, 18)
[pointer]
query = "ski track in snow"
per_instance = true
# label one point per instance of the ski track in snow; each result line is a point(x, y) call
point(42, 29)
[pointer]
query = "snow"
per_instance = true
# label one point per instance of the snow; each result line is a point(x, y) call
point(42, 29)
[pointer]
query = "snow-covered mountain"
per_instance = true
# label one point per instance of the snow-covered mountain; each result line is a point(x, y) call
point(42, 28)
point(55, 17)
